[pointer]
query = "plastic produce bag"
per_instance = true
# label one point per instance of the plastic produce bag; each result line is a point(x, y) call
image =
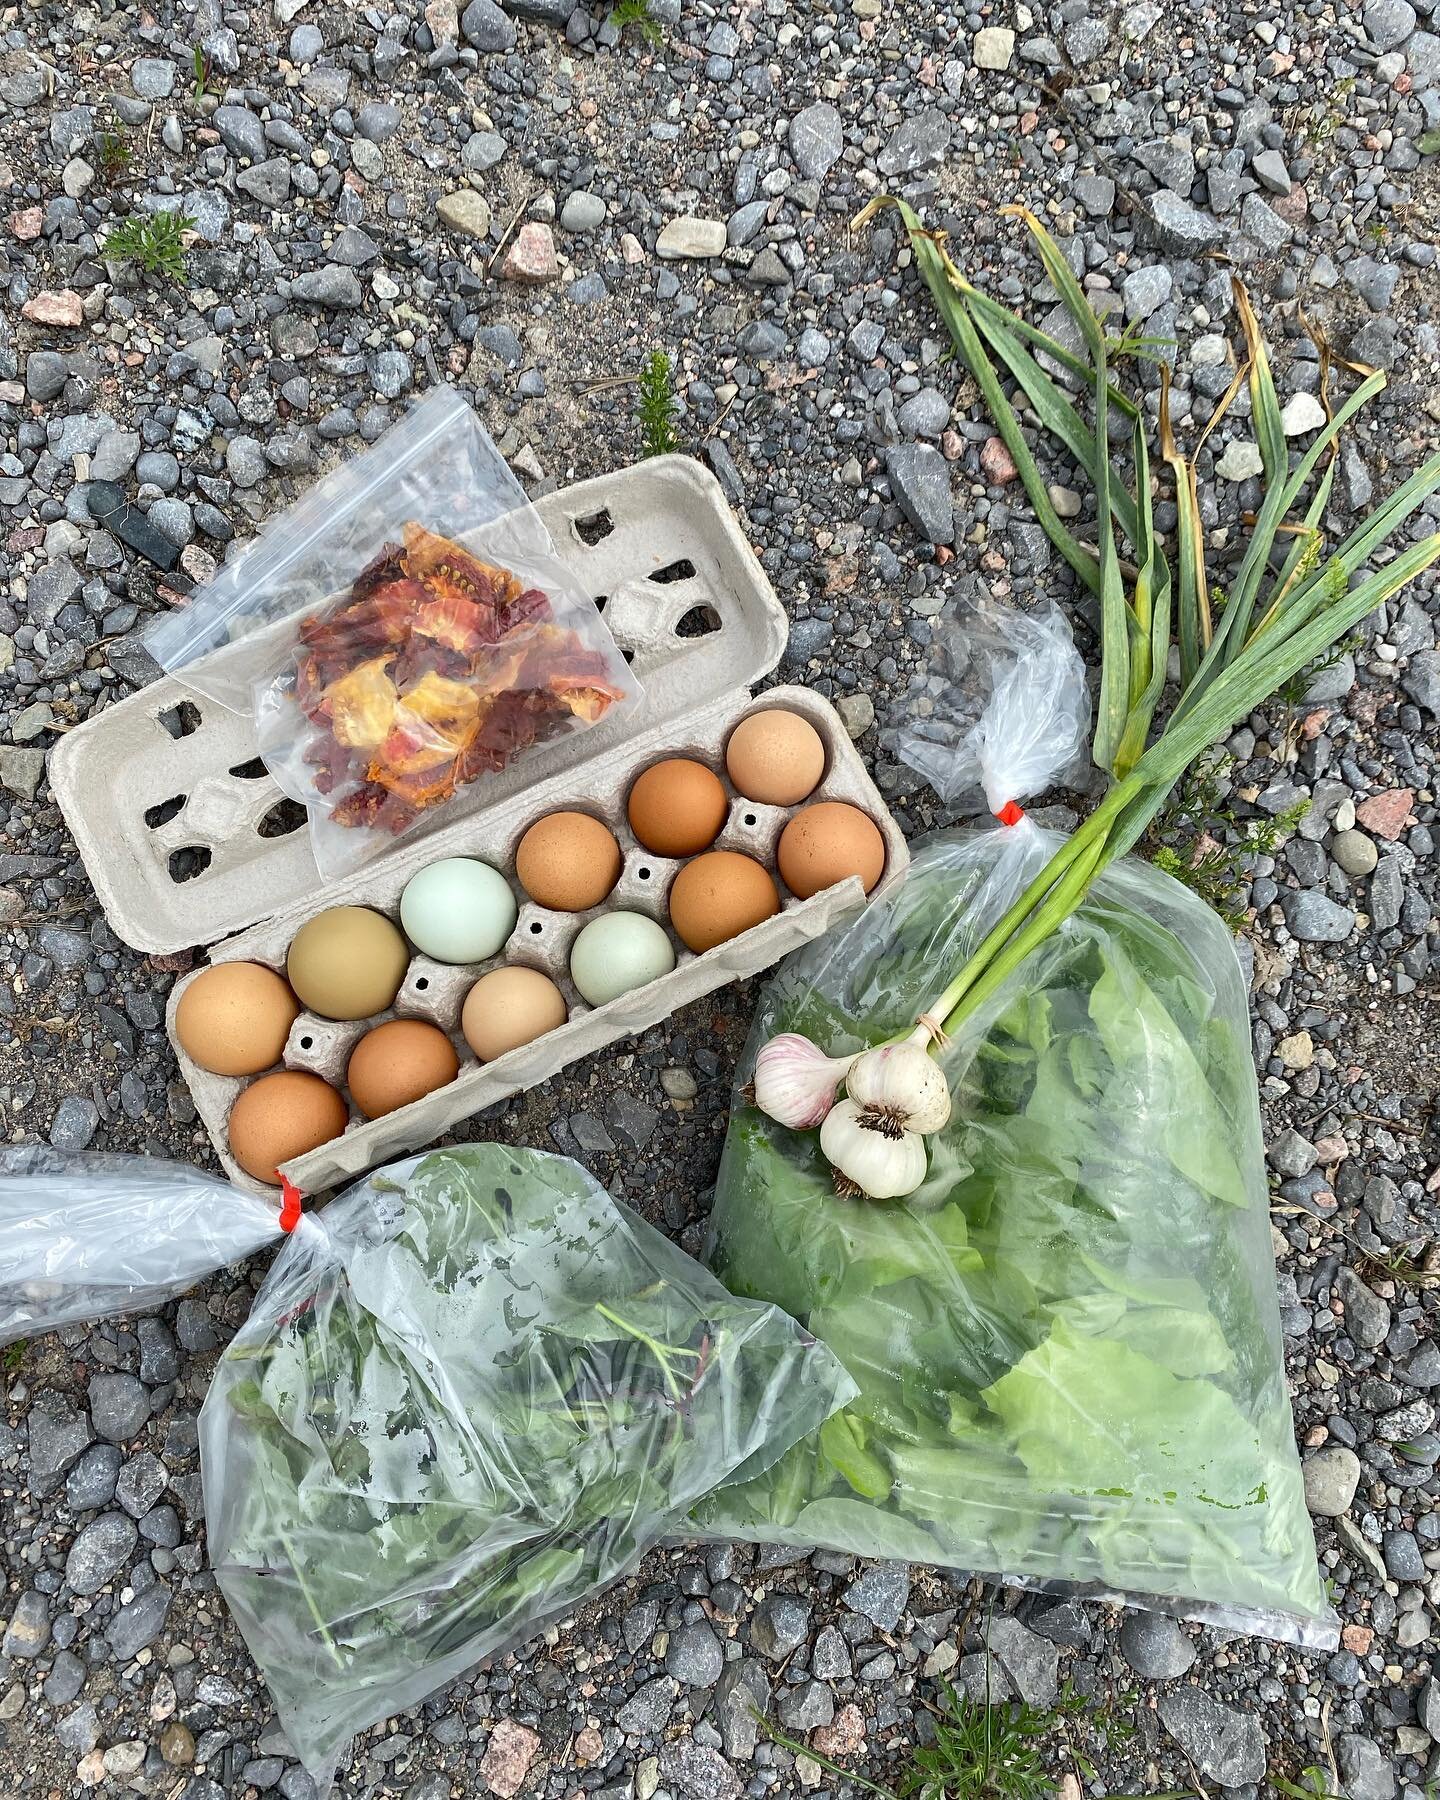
point(85, 1236)
point(471, 1392)
point(1067, 1338)
point(402, 632)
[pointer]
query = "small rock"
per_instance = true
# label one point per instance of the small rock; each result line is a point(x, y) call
point(920, 481)
point(694, 1655)
point(1264, 224)
point(1155, 1647)
point(1270, 171)
point(1144, 290)
point(817, 139)
point(1367, 1317)
point(465, 212)
point(29, 1629)
point(880, 1594)
point(1314, 918)
point(100, 1552)
point(647, 1712)
point(139, 1622)
point(1354, 852)
point(997, 463)
point(1365, 1774)
point(508, 1756)
point(780, 1624)
point(698, 1772)
point(1302, 413)
point(1241, 460)
point(486, 27)
point(1389, 22)
point(691, 237)
point(61, 306)
point(1224, 1744)
point(582, 212)
point(119, 1406)
point(742, 1697)
point(993, 47)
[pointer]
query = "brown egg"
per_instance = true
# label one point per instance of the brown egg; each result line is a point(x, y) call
point(396, 1063)
point(281, 1116)
point(775, 757)
point(347, 962)
point(234, 1018)
point(826, 842)
point(718, 896)
point(568, 861)
point(677, 807)
point(509, 1007)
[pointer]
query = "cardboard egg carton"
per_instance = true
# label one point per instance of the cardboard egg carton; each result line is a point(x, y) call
point(687, 601)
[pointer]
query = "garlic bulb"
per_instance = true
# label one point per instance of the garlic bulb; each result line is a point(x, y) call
point(901, 1082)
point(795, 1082)
point(869, 1151)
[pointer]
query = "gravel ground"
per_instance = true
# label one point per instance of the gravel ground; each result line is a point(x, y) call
point(350, 172)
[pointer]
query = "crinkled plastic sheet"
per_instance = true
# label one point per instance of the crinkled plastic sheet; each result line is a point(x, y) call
point(1067, 1341)
point(85, 1236)
point(470, 1394)
point(436, 467)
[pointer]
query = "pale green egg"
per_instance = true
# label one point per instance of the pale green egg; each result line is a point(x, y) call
point(458, 910)
point(617, 952)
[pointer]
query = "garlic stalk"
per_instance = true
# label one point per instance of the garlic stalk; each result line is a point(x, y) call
point(872, 1154)
point(901, 1082)
point(795, 1082)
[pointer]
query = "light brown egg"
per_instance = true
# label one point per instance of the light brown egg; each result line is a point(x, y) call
point(677, 807)
point(234, 1018)
point(568, 861)
point(718, 896)
point(509, 1007)
point(776, 757)
point(281, 1116)
point(396, 1063)
point(347, 962)
point(827, 842)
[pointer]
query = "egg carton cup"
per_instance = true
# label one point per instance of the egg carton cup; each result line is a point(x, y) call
point(688, 603)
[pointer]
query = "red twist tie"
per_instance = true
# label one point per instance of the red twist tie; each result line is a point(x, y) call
point(290, 1198)
point(1011, 813)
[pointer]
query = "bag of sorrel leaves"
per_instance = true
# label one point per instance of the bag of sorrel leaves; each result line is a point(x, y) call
point(1064, 1325)
point(472, 1391)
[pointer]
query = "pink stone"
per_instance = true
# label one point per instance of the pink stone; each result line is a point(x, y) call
point(507, 1759)
point(440, 16)
point(997, 463)
point(1293, 206)
point(26, 225)
point(843, 1736)
point(531, 257)
point(1385, 814)
point(51, 308)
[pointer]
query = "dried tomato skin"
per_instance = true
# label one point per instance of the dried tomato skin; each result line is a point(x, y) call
point(437, 668)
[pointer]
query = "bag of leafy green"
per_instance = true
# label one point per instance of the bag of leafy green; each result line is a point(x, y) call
point(1065, 1333)
point(471, 1392)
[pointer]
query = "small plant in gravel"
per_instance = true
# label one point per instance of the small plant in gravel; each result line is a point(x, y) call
point(153, 242)
point(112, 155)
point(1198, 839)
point(637, 13)
point(657, 406)
point(202, 74)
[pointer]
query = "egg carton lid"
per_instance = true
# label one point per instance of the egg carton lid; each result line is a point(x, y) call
point(187, 841)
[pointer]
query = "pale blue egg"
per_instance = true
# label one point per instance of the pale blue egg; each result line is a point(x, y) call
point(458, 910)
point(617, 952)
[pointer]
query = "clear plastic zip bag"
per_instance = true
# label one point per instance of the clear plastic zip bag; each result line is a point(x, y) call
point(470, 1394)
point(404, 632)
point(83, 1237)
point(1066, 1338)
